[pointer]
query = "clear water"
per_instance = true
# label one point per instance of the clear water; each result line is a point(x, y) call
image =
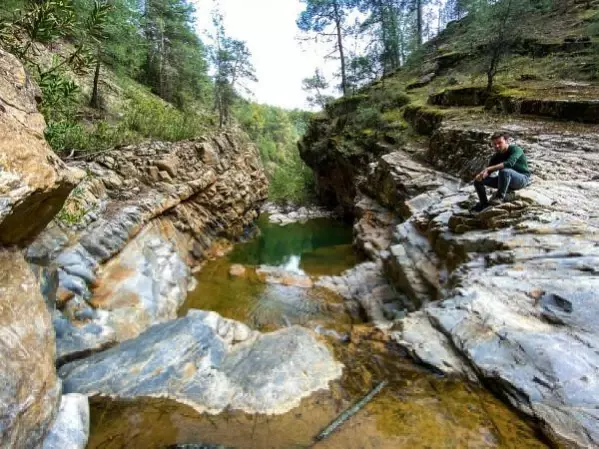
point(318, 247)
point(416, 410)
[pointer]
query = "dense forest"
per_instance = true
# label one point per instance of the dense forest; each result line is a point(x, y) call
point(114, 72)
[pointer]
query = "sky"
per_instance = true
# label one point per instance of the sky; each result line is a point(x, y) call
point(281, 62)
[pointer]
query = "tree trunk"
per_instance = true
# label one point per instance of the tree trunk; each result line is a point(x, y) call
point(419, 24)
point(161, 66)
point(344, 86)
point(94, 102)
point(490, 78)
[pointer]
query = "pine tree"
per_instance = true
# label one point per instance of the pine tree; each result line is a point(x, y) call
point(175, 65)
point(327, 19)
point(316, 86)
point(498, 27)
point(232, 64)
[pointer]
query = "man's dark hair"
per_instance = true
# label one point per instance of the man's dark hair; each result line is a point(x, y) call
point(499, 135)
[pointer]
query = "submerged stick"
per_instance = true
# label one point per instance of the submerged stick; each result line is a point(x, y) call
point(348, 413)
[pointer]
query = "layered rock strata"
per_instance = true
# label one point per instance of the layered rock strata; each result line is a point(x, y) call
point(508, 296)
point(145, 214)
point(34, 184)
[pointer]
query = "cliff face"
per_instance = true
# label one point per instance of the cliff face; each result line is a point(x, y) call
point(116, 259)
point(34, 184)
point(507, 297)
point(145, 215)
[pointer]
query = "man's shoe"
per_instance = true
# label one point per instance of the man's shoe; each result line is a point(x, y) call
point(479, 207)
point(497, 200)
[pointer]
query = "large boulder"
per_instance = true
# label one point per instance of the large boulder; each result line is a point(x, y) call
point(29, 388)
point(34, 182)
point(211, 364)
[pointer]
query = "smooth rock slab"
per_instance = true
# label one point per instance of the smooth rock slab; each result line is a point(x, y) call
point(70, 429)
point(209, 363)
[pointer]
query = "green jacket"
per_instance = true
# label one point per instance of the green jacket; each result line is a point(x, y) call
point(513, 158)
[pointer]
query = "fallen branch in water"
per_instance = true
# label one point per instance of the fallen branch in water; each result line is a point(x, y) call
point(348, 413)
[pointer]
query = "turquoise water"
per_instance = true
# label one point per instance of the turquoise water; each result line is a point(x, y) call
point(320, 246)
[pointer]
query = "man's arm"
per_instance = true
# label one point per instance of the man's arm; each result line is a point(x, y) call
point(487, 171)
point(515, 153)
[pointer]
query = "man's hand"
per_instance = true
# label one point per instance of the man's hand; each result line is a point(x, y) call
point(482, 175)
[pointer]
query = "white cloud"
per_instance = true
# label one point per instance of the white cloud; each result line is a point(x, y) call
point(268, 27)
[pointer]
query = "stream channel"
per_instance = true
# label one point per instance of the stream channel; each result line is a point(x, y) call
point(417, 409)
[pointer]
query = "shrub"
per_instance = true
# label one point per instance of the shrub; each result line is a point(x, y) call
point(366, 118)
point(155, 119)
point(292, 181)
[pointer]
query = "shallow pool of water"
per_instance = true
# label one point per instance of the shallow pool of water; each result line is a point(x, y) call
point(417, 409)
point(317, 247)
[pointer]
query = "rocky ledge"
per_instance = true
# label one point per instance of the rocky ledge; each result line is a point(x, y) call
point(508, 297)
point(287, 214)
point(520, 308)
point(211, 364)
point(82, 269)
point(144, 216)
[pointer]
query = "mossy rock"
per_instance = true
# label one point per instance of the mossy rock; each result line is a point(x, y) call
point(346, 105)
point(423, 119)
point(585, 111)
point(463, 96)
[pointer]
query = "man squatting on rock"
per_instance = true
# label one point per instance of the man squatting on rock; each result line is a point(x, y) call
point(513, 173)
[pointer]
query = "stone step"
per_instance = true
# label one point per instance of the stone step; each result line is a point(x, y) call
point(424, 120)
point(577, 110)
point(577, 102)
point(556, 151)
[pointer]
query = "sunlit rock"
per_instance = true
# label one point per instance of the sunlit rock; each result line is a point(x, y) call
point(211, 364)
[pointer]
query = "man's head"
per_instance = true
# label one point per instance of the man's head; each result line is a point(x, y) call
point(500, 141)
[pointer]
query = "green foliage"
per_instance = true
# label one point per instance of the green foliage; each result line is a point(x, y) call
point(292, 182)
point(175, 64)
point(316, 87)
point(328, 19)
point(498, 26)
point(60, 95)
point(145, 117)
point(366, 117)
point(231, 60)
point(72, 212)
point(152, 118)
point(275, 132)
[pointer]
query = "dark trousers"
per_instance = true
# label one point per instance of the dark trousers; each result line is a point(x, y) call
point(506, 180)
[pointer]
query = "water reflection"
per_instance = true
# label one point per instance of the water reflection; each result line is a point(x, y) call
point(418, 410)
point(311, 246)
point(292, 265)
point(317, 247)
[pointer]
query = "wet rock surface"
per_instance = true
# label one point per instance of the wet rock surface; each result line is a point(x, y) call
point(509, 310)
point(506, 296)
point(366, 286)
point(209, 363)
point(29, 388)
